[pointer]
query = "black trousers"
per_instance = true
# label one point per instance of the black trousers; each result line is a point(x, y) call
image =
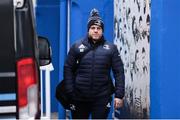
point(98, 109)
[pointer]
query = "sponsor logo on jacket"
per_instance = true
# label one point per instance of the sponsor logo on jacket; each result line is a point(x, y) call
point(81, 48)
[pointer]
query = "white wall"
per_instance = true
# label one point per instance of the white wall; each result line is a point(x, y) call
point(131, 25)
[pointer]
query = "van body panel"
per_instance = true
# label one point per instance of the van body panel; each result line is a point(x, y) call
point(18, 41)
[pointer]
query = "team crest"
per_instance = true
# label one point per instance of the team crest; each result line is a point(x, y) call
point(106, 47)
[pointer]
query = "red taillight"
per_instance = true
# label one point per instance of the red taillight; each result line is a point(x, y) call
point(27, 75)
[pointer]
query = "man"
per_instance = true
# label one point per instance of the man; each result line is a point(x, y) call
point(87, 73)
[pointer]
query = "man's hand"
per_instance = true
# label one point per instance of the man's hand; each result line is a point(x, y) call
point(118, 103)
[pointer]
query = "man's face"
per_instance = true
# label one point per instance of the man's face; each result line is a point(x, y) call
point(95, 32)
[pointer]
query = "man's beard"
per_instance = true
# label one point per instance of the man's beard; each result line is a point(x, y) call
point(95, 40)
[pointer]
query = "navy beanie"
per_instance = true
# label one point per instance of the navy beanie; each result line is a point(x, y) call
point(95, 19)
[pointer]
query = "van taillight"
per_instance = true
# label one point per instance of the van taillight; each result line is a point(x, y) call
point(27, 75)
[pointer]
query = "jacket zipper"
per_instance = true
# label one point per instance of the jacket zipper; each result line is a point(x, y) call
point(92, 71)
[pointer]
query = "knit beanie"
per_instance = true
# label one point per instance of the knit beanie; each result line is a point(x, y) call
point(95, 19)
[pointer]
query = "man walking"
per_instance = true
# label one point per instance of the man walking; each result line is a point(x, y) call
point(87, 73)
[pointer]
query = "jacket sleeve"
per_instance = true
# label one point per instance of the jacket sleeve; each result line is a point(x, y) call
point(69, 69)
point(118, 72)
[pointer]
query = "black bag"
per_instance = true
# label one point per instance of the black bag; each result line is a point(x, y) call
point(61, 95)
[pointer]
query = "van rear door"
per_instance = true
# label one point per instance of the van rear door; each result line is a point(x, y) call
point(7, 60)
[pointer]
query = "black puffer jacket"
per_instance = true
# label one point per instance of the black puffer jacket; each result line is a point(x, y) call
point(92, 78)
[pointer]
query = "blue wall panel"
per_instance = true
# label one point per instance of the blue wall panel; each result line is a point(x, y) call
point(165, 57)
point(48, 2)
point(80, 13)
point(48, 26)
point(63, 44)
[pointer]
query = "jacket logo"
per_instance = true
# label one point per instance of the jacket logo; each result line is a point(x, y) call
point(108, 105)
point(106, 47)
point(81, 48)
